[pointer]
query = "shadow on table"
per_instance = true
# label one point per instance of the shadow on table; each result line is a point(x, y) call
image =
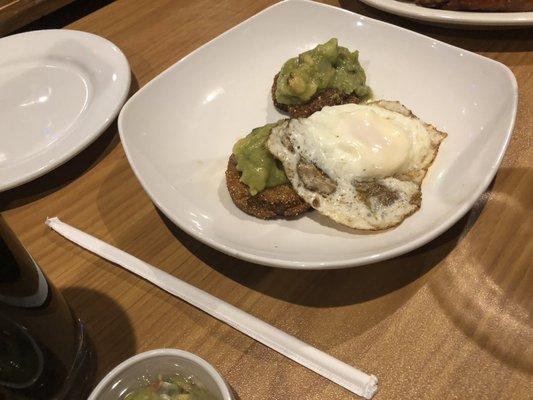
point(62, 175)
point(477, 40)
point(108, 326)
point(486, 291)
point(233, 391)
point(65, 15)
point(329, 288)
point(67, 172)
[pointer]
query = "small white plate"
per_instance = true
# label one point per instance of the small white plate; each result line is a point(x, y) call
point(59, 90)
point(178, 131)
point(409, 9)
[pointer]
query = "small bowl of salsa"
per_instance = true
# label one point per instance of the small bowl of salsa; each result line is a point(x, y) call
point(164, 374)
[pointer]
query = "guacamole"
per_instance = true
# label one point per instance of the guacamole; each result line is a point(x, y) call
point(174, 387)
point(326, 66)
point(258, 167)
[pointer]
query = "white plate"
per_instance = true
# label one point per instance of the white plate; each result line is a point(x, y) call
point(59, 89)
point(408, 9)
point(178, 131)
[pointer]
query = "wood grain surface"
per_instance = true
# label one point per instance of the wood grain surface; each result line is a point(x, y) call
point(451, 320)
point(16, 13)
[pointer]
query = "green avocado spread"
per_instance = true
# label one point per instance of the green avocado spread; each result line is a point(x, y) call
point(258, 167)
point(326, 66)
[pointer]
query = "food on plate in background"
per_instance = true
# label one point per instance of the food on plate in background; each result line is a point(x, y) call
point(479, 5)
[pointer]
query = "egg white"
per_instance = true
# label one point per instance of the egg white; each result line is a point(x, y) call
point(375, 154)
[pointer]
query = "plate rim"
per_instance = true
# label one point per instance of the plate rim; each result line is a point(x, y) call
point(465, 18)
point(88, 139)
point(343, 263)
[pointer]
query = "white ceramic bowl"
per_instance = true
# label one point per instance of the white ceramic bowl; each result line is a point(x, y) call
point(161, 361)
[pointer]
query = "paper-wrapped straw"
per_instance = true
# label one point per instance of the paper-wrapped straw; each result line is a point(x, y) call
point(323, 364)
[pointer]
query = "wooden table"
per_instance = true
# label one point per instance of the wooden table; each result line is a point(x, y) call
point(450, 320)
point(17, 13)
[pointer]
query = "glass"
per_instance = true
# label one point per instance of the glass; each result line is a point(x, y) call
point(44, 349)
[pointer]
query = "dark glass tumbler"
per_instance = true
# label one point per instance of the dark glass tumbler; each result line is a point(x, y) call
point(44, 349)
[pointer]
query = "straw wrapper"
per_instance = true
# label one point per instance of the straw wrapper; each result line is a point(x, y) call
point(323, 364)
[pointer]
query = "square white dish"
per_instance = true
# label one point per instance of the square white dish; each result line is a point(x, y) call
point(179, 129)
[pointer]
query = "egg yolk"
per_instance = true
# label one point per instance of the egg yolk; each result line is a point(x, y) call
point(356, 141)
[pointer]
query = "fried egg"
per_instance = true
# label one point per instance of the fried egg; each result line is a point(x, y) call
point(362, 165)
